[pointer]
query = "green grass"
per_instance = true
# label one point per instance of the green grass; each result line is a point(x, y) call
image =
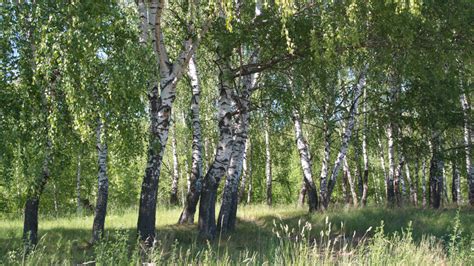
point(279, 235)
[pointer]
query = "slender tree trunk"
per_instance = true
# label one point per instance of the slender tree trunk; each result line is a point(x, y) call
point(302, 195)
point(436, 174)
point(250, 187)
point(55, 200)
point(417, 183)
point(323, 185)
point(346, 136)
point(382, 164)
point(30, 225)
point(411, 186)
point(355, 200)
point(268, 164)
point(192, 198)
point(445, 186)
point(305, 160)
point(365, 155)
point(456, 186)
point(357, 169)
point(245, 169)
point(423, 184)
point(398, 179)
point(103, 183)
point(468, 148)
point(345, 186)
point(174, 183)
point(391, 169)
point(218, 168)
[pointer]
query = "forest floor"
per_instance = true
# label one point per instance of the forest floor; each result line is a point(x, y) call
point(65, 239)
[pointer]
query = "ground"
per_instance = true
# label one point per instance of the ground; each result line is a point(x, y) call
point(261, 233)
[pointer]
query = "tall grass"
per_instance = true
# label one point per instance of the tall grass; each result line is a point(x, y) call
point(278, 236)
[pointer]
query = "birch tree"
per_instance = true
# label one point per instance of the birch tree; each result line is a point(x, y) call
point(161, 98)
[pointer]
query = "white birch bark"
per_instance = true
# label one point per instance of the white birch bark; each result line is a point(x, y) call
point(323, 186)
point(365, 156)
point(161, 101)
point(218, 168)
point(391, 169)
point(268, 164)
point(102, 182)
point(245, 169)
point(382, 165)
point(468, 147)
point(175, 179)
point(410, 184)
point(305, 161)
point(456, 184)
point(423, 184)
point(350, 180)
point(195, 182)
point(347, 134)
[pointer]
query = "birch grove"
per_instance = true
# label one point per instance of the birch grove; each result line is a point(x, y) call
point(327, 104)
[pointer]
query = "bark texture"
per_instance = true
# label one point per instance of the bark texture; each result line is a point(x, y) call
point(436, 174)
point(174, 182)
point(160, 101)
point(365, 156)
point(456, 184)
point(466, 107)
point(217, 169)
point(306, 165)
point(268, 165)
point(246, 170)
point(228, 211)
point(195, 183)
point(102, 184)
point(361, 82)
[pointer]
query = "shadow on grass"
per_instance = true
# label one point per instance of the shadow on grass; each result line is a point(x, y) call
point(250, 235)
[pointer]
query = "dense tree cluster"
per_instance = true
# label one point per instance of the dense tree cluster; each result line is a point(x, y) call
point(321, 102)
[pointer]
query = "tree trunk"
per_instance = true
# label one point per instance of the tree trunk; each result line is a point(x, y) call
point(456, 186)
point(305, 161)
point(468, 149)
point(391, 169)
point(268, 164)
point(245, 169)
point(161, 103)
point(382, 164)
point(417, 183)
point(397, 180)
point(174, 183)
point(365, 156)
point(347, 135)
point(103, 183)
point(192, 198)
point(423, 184)
point(218, 168)
point(410, 184)
point(347, 170)
point(228, 211)
point(302, 195)
point(323, 185)
point(250, 187)
point(436, 174)
point(345, 186)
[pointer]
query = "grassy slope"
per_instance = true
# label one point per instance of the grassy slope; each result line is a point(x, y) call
point(66, 238)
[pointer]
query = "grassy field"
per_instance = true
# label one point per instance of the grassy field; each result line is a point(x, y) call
point(278, 235)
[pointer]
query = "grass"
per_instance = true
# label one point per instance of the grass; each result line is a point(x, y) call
point(279, 235)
